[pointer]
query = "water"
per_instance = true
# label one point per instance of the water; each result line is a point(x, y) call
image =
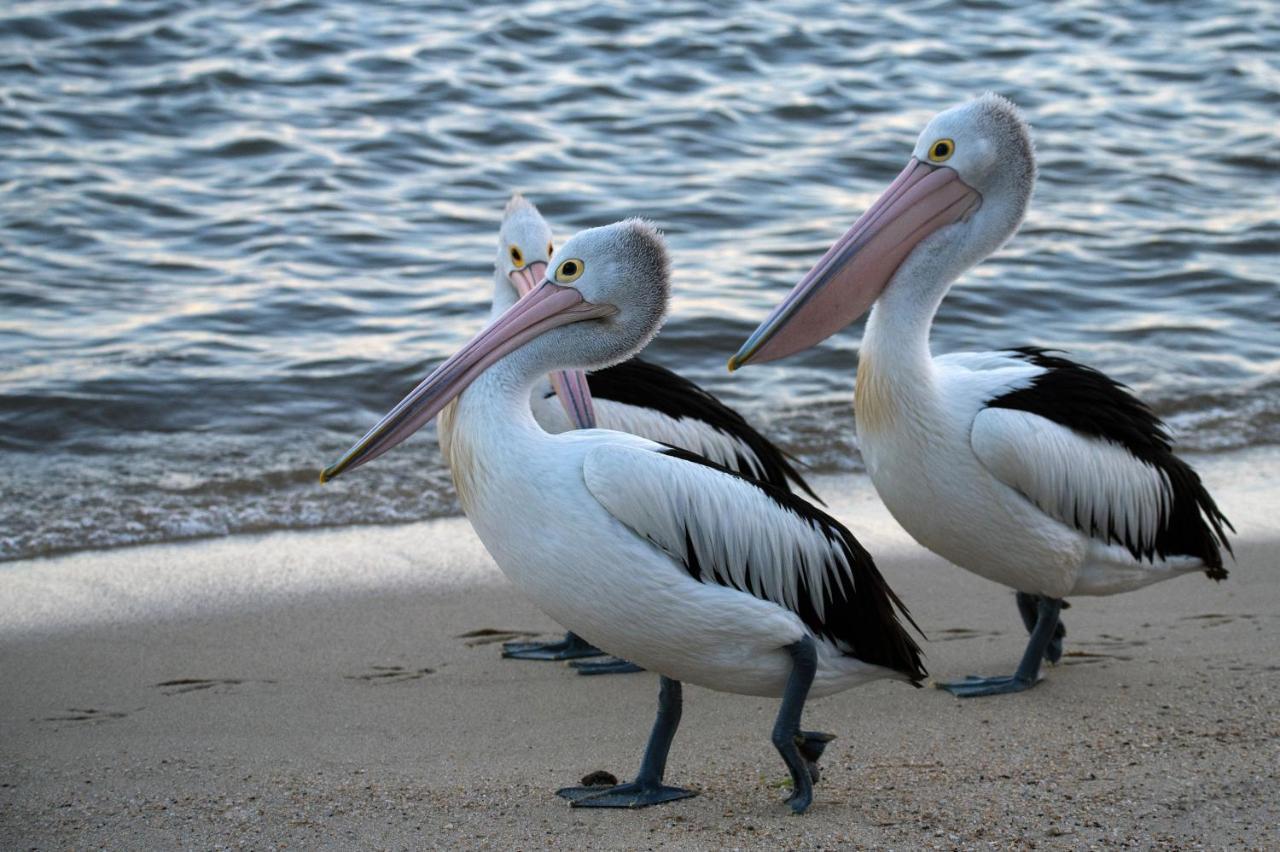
point(233, 234)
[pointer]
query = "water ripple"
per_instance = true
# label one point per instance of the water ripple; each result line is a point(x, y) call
point(232, 234)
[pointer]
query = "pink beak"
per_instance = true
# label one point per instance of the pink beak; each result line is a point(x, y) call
point(526, 278)
point(570, 385)
point(546, 307)
point(854, 272)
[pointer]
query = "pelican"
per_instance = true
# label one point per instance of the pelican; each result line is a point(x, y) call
point(635, 396)
point(1019, 465)
point(653, 553)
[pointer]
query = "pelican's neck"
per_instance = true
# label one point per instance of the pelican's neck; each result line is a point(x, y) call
point(490, 418)
point(504, 295)
point(895, 366)
point(898, 329)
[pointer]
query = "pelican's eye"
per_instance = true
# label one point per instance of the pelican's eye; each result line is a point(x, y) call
point(569, 271)
point(941, 151)
point(516, 257)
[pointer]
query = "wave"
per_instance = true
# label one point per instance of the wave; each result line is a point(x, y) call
point(233, 235)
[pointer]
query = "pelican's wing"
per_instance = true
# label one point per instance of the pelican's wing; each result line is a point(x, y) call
point(758, 539)
point(1091, 455)
point(645, 399)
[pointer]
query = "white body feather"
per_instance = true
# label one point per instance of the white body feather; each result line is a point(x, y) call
point(995, 491)
point(579, 522)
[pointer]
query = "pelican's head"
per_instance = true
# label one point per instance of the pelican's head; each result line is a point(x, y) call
point(963, 193)
point(623, 268)
point(604, 297)
point(524, 249)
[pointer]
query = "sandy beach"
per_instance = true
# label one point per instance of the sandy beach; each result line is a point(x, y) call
point(342, 689)
point(233, 235)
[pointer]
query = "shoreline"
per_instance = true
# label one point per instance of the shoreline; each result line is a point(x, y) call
point(148, 581)
point(320, 689)
point(1266, 454)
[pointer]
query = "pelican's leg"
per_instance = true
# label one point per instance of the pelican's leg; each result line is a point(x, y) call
point(613, 665)
point(1028, 672)
point(799, 749)
point(648, 788)
point(1027, 608)
point(571, 647)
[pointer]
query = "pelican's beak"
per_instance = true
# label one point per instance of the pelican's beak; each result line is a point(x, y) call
point(575, 395)
point(854, 272)
point(546, 307)
point(570, 385)
point(526, 278)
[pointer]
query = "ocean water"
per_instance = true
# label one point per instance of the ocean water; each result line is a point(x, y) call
point(233, 234)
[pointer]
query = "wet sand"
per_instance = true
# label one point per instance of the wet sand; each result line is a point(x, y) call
point(320, 690)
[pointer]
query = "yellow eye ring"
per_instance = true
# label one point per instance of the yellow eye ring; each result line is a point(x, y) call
point(516, 257)
point(941, 151)
point(569, 271)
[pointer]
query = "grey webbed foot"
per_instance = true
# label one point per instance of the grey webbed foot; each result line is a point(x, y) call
point(571, 647)
point(973, 687)
point(634, 794)
point(1044, 632)
point(613, 665)
point(647, 789)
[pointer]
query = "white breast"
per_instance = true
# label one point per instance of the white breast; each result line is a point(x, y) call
point(595, 576)
point(528, 502)
point(918, 454)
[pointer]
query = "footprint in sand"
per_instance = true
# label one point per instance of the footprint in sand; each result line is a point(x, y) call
point(390, 674)
point(182, 685)
point(1103, 648)
point(490, 635)
point(1216, 619)
point(1254, 668)
point(86, 714)
point(1075, 658)
point(951, 634)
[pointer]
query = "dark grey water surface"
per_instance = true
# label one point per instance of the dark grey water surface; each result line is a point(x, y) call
point(233, 233)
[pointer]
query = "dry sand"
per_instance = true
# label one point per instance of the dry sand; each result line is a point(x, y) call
point(314, 691)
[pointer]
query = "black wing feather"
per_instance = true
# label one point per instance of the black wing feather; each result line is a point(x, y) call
point(646, 385)
point(1091, 403)
point(864, 618)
